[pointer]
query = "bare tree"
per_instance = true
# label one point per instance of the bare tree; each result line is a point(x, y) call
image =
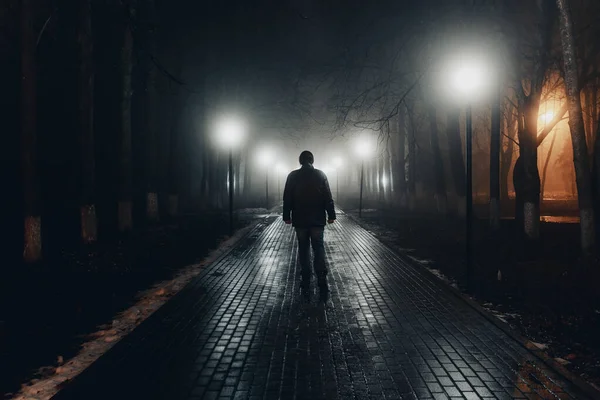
point(31, 192)
point(457, 162)
point(86, 123)
point(438, 165)
point(150, 119)
point(578, 139)
point(125, 151)
point(495, 144)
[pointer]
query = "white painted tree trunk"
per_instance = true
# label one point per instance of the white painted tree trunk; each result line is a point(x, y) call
point(89, 225)
point(531, 221)
point(152, 206)
point(33, 239)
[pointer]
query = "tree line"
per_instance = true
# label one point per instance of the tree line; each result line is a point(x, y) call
point(389, 81)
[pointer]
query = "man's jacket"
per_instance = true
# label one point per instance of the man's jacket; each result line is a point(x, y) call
point(307, 198)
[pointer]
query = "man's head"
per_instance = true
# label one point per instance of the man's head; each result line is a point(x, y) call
point(306, 157)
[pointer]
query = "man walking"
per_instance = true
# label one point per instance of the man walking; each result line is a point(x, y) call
point(306, 202)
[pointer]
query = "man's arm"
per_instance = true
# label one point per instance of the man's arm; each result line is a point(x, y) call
point(287, 199)
point(329, 206)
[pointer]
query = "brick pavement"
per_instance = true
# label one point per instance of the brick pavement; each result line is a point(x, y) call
point(241, 330)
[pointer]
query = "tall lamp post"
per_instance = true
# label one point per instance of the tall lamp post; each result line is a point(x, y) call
point(230, 133)
point(468, 82)
point(362, 149)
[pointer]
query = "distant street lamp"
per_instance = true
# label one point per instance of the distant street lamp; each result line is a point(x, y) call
point(265, 158)
point(363, 150)
point(470, 78)
point(230, 133)
point(338, 163)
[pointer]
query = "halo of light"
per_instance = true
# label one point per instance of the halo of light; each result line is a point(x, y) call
point(230, 132)
point(363, 147)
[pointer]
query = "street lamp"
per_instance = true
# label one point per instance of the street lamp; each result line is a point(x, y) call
point(338, 163)
point(470, 80)
point(362, 149)
point(229, 134)
point(265, 158)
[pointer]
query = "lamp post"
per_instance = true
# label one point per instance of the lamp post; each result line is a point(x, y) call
point(469, 81)
point(230, 133)
point(362, 149)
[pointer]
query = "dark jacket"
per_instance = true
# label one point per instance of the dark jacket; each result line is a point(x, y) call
point(307, 197)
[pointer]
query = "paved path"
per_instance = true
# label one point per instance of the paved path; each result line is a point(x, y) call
point(241, 330)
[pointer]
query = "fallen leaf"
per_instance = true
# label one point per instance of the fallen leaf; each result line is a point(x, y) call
point(562, 361)
point(540, 346)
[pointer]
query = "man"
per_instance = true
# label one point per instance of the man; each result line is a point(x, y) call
point(307, 198)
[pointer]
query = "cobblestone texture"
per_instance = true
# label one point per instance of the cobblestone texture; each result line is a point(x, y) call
point(241, 330)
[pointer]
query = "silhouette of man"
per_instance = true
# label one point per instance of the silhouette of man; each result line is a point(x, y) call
point(306, 202)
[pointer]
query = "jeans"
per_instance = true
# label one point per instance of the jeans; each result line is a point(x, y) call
point(308, 237)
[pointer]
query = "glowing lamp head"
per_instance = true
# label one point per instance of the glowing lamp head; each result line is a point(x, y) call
point(467, 79)
point(470, 77)
point(362, 148)
point(230, 132)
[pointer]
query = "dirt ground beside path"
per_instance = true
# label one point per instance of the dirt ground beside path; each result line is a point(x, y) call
point(49, 311)
point(543, 293)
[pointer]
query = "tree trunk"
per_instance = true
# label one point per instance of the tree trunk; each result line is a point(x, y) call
point(125, 221)
point(401, 161)
point(379, 176)
point(507, 157)
point(390, 175)
point(457, 162)
point(596, 178)
point(495, 142)
point(175, 155)
point(545, 170)
point(580, 153)
point(89, 230)
point(32, 246)
point(150, 122)
point(527, 177)
point(412, 170)
point(438, 163)
point(173, 187)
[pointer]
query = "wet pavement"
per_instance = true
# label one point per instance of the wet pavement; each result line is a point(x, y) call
point(389, 330)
